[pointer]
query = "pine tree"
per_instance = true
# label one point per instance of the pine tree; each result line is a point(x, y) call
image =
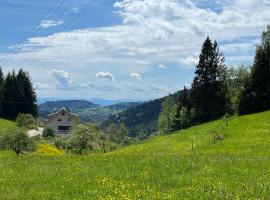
point(1, 76)
point(9, 106)
point(256, 96)
point(208, 89)
point(260, 77)
point(28, 95)
point(18, 95)
point(1, 90)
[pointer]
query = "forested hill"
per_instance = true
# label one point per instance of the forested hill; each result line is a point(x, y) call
point(141, 118)
point(74, 105)
point(87, 111)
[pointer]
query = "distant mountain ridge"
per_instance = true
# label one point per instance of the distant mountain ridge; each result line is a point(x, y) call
point(74, 105)
point(87, 111)
point(142, 117)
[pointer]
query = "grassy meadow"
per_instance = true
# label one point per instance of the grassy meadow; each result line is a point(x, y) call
point(164, 167)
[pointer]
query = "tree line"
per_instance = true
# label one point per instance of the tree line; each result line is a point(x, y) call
point(218, 90)
point(17, 95)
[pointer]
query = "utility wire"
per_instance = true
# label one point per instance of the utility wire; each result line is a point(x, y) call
point(68, 25)
point(35, 29)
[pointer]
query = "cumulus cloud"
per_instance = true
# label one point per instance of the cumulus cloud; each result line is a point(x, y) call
point(41, 86)
point(50, 23)
point(154, 32)
point(157, 31)
point(136, 76)
point(62, 78)
point(161, 66)
point(105, 75)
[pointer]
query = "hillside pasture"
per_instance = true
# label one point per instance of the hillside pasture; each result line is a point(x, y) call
point(164, 167)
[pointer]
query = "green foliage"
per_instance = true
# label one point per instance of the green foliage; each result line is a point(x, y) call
point(166, 115)
point(1, 88)
point(74, 105)
point(143, 116)
point(256, 96)
point(25, 121)
point(209, 89)
point(48, 132)
point(17, 140)
point(163, 167)
point(87, 111)
point(236, 79)
point(82, 138)
point(18, 95)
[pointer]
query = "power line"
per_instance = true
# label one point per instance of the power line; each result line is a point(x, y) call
point(70, 23)
point(35, 29)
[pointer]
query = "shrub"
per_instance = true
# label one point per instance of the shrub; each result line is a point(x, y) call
point(82, 138)
point(18, 141)
point(48, 132)
point(26, 121)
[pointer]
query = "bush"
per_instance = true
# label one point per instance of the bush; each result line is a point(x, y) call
point(18, 141)
point(61, 143)
point(48, 132)
point(26, 121)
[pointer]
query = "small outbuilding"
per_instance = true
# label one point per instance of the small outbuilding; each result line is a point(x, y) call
point(62, 121)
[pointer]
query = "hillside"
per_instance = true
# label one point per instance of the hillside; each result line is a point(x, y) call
point(142, 117)
point(74, 105)
point(87, 111)
point(163, 167)
point(5, 125)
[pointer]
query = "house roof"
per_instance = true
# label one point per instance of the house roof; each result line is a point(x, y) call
point(62, 109)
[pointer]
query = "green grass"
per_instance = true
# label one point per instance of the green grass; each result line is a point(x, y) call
point(164, 167)
point(5, 125)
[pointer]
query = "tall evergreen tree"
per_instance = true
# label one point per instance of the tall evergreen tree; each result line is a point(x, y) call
point(209, 96)
point(18, 95)
point(256, 96)
point(1, 92)
point(27, 92)
point(1, 76)
point(9, 106)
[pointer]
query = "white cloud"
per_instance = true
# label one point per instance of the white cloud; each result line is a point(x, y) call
point(161, 66)
point(62, 78)
point(136, 76)
point(75, 10)
point(188, 61)
point(105, 75)
point(41, 86)
point(154, 32)
point(50, 23)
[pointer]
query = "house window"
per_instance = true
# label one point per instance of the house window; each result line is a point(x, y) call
point(59, 120)
point(64, 128)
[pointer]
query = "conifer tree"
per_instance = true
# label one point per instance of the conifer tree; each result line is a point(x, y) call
point(9, 106)
point(1, 92)
point(256, 96)
point(28, 95)
point(209, 97)
point(18, 95)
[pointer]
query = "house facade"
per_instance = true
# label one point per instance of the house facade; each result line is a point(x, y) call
point(62, 121)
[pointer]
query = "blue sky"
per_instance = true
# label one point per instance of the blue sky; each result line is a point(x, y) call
point(123, 49)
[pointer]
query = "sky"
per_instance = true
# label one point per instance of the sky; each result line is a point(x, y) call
point(123, 49)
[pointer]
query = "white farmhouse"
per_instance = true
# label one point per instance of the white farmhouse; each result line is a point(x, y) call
point(62, 121)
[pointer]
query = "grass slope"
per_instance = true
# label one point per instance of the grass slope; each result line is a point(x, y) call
point(162, 168)
point(5, 125)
